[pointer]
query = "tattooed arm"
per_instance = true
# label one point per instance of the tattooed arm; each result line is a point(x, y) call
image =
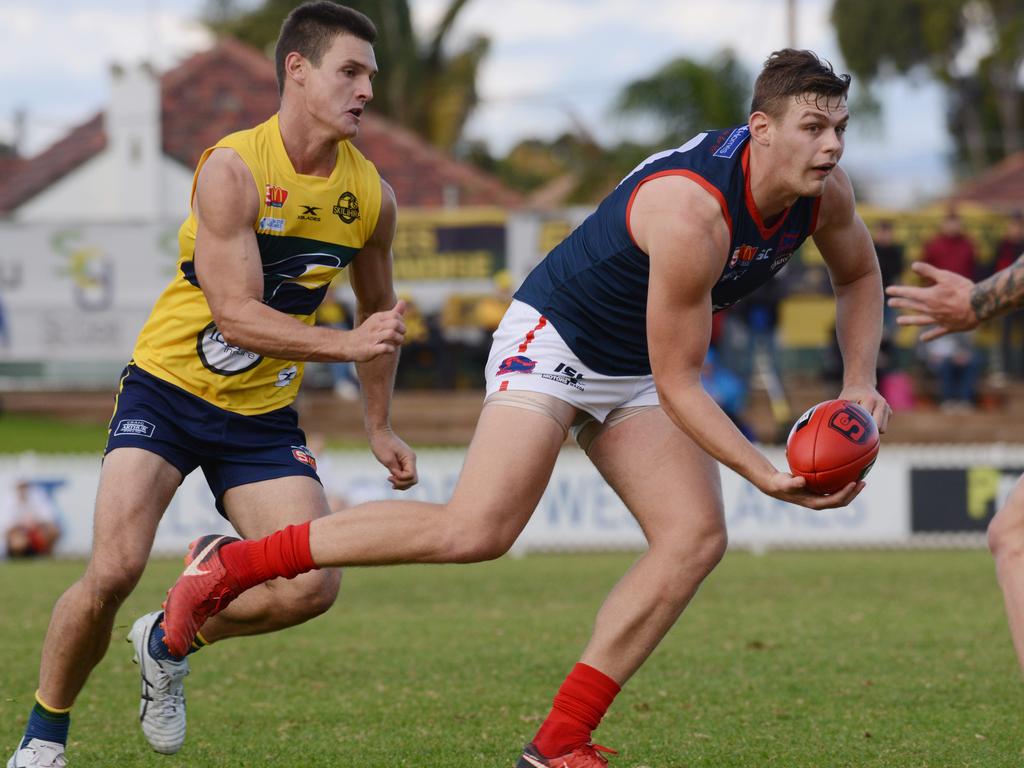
point(1001, 293)
point(953, 303)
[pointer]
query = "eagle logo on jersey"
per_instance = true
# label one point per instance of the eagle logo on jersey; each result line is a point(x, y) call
point(297, 284)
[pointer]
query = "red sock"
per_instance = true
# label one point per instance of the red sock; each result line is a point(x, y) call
point(579, 706)
point(281, 554)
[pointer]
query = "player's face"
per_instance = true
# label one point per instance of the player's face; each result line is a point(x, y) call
point(338, 90)
point(808, 141)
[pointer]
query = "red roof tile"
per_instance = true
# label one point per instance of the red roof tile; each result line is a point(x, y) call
point(232, 87)
point(1001, 186)
point(228, 88)
point(32, 176)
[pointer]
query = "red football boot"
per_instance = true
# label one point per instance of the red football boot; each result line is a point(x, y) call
point(204, 589)
point(586, 756)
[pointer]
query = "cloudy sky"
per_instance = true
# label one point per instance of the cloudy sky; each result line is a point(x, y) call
point(552, 62)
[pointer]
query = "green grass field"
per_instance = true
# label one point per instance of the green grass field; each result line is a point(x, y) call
point(883, 659)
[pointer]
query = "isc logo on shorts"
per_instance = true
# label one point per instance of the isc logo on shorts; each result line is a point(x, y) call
point(135, 427)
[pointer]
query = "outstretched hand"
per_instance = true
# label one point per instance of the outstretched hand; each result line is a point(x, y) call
point(381, 333)
point(396, 456)
point(945, 304)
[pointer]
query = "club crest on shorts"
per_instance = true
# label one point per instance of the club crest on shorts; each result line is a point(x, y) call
point(302, 454)
point(135, 427)
point(516, 364)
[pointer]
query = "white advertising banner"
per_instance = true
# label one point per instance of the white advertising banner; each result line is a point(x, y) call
point(80, 292)
point(577, 512)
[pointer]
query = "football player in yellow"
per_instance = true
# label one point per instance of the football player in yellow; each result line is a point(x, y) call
point(277, 211)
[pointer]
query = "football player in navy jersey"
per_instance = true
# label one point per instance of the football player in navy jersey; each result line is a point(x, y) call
point(606, 338)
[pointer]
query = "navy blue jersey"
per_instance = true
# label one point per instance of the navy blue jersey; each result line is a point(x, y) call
point(593, 285)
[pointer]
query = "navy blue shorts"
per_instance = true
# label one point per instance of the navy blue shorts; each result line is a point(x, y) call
point(189, 432)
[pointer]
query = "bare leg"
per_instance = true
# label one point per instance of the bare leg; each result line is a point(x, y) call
point(506, 471)
point(672, 488)
point(135, 488)
point(1006, 540)
point(259, 509)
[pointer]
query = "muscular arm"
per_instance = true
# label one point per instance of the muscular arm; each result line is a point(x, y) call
point(687, 242)
point(370, 275)
point(228, 267)
point(846, 246)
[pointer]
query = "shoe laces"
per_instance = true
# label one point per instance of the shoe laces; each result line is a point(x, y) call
point(47, 756)
point(168, 686)
point(591, 750)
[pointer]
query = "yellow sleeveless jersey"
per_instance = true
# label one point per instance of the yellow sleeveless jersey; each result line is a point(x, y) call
point(308, 229)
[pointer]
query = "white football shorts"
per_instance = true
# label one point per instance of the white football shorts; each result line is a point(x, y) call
point(528, 355)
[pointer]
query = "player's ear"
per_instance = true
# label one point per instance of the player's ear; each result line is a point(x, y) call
point(295, 65)
point(760, 128)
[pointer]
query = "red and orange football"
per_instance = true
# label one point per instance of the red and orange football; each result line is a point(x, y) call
point(833, 444)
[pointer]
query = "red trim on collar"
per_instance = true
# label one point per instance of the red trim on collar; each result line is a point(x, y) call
point(766, 232)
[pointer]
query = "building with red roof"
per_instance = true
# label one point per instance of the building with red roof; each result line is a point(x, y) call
point(134, 160)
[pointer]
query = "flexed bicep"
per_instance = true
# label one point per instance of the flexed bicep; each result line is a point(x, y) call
point(226, 258)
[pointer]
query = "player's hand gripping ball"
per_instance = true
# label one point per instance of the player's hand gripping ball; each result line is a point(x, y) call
point(833, 444)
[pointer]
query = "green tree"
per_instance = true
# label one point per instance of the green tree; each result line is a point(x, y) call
point(422, 84)
point(685, 97)
point(682, 98)
point(887, 38)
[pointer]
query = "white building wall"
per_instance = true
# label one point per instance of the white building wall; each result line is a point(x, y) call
point(130, 180)
point(93, 192)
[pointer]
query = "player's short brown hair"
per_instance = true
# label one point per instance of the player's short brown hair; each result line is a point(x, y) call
point(790, 72)
point(311, 27)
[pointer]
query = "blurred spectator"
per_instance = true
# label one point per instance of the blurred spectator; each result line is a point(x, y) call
point(954, 360)
point(951, 249)
point(1010, 355)
point(890, 262)
point(344, 380)
point(468, 322)
point(29, 520)
point(426, 359)
point(490, 309)
point(761, 313)
point(727, 389)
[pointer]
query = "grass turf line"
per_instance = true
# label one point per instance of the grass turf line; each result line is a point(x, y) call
point(859, 659)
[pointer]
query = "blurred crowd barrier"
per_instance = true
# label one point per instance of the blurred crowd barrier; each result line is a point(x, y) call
point(915, 497)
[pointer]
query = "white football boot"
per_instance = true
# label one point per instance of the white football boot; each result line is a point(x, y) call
point(39, 754)
point(162, 708)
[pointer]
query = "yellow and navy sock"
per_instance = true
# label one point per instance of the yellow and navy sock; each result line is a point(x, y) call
point(158, 648)
point(47, 723)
